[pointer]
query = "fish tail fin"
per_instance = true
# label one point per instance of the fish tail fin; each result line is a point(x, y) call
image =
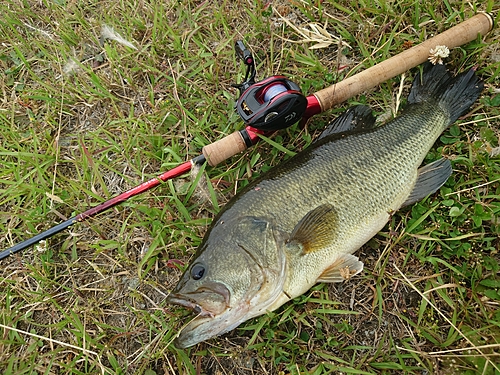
point(455, 94)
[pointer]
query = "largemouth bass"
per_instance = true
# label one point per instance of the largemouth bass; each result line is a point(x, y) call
point(299, 224)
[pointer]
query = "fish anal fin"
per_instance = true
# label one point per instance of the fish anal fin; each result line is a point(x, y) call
point(342, 269)
point(316, 230)
point(356, 119)
point(430, 178)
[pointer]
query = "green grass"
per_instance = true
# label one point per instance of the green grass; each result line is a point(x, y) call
point(82, 120)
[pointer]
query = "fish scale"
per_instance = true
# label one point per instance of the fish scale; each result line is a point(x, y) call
point(359, 164)
point(300, 222)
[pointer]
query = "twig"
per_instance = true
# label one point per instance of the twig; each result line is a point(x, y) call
point(400, 92)
point(472, 188)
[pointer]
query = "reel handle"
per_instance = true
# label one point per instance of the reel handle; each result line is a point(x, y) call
point(271, 104)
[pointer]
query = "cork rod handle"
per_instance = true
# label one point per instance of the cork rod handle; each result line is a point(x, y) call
point(458, 35)
point(224, 148)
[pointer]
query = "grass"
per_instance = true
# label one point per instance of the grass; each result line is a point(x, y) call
point(82, 119)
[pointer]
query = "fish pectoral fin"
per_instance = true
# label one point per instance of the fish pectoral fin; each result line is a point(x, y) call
point(342, 269)
point(316, 230)
point(430, 178)
point(356, 119)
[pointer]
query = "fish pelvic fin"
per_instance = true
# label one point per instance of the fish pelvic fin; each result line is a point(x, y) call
point(355, 120)
point(430, 178)
point(342, 269)
point(454, 94)
point(316, 230)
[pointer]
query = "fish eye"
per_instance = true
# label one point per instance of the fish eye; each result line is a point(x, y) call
point(198, 271)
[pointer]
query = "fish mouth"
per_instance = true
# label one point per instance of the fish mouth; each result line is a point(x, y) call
point(209, 300)
point(179, 299)
point(214, 317)
point(204, 327)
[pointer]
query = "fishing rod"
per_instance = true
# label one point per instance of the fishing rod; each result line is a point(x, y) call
point(276, 103)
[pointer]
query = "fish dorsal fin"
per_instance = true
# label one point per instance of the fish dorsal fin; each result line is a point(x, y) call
point(316, 230)
point(356, 119)
point(342, 269)
point(430, 178)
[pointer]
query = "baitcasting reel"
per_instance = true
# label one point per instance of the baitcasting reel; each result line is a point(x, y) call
point(271, 104)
